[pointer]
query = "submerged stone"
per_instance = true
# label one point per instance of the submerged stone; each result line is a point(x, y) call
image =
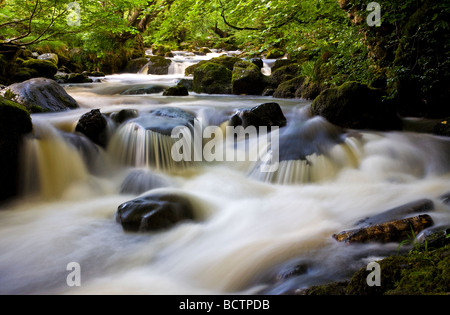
point(154, 212)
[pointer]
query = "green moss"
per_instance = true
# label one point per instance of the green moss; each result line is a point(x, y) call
point(223, 60)
point(275, 54)
point(212, 78)
point(45, 68)
point(288, 89)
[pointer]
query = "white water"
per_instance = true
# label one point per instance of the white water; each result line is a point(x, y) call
point(252, 227)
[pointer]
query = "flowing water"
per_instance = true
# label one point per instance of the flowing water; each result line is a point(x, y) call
point(254, 228)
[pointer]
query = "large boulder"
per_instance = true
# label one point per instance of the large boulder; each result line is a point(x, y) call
point(44, 68)
point(154, 212)
point(212, 78)
point(135, 65)
point(50, 57)
point(357, 106)
point(247, 79)
point(289, 88)
point(41, 94)
point(284, 73)
point(15, 122)
point(158, 65)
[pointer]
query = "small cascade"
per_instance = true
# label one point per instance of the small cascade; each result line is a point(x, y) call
point(50, 163)
point(147, 141)
point(309, 150)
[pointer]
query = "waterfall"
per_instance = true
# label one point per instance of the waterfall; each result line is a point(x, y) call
point(50, 163)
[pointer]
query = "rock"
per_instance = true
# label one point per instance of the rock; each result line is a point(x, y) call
point(188, 83)
point(356, 106)
point(226, 61)
point(247, 79)
point(178, 90)
point(435, 237)
point(301, 139)
point(204, 50)
point(445, 198)
point(44, 93)
point(267, 114)
point(45, 68)
point(15, 122)
point(281, 63)
point(212, 78)
point(442, 128)
point(123, 115)
point(275, 54)
point(146, 89)
point(23, 74)
point(417, 206)
point(50, 57)
point(142, 180)
point(288, 89)
point(158, 65)
point(284, 73)
point(154, 212)
point(78, 78)
point(392, 231)
point(94, 126)
point(164, 120)
point(258, 62)
point(134, 65)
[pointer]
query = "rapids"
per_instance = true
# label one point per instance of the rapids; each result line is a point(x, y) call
point(255, 227)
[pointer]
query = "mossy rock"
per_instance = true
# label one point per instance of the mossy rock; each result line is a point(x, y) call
point(284, 73)
point(24, 73)
point(416, 273)
point(289, 88)
point(50, 57)
point(45, 68)
point(134, 65)
point(15, 122)
point(281, 63)
point(42, 92)
point(178, 90)
point(356, 106)
point(275, 54)
point(247, 79)
point(223, 60)
point(212, 78)
point(158, 65)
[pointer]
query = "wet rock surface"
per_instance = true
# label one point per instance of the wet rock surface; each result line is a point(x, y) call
point(154, 212)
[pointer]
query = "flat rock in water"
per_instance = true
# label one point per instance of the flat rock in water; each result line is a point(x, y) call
point(164, 120)
point(44, 93)
point(392, 231)
point(418, 206)
point(154, 212)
